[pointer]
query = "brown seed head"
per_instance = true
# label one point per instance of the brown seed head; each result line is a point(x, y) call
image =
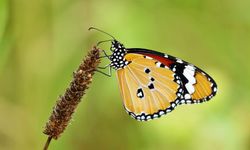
point(67, 103)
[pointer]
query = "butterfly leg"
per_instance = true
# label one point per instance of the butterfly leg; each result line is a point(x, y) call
point(106, 74)
point(105, 55)
point(108, 65)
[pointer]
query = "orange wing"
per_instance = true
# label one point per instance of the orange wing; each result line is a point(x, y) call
point(202, 87)
point(148, 91)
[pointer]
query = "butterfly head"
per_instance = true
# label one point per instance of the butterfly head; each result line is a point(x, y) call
point(117, 58)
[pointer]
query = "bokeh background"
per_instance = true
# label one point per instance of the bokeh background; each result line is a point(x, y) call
point(42, 42)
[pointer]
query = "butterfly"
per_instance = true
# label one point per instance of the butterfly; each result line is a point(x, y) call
point(153, 84)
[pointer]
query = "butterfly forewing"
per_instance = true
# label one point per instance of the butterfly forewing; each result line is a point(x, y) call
point(148, 91)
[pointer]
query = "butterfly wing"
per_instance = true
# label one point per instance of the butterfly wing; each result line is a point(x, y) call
point(148, 90)
point(197, 85)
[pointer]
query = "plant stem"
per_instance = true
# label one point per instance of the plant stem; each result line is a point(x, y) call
point(47, 143)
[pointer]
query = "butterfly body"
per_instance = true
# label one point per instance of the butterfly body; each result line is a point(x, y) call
point(152, 84)
point(117, 58)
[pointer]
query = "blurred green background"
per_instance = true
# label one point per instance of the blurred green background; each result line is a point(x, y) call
point(42, 42)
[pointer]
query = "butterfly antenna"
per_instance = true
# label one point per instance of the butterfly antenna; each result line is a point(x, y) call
point(93, 28)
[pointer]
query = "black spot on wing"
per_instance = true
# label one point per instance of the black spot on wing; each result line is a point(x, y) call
point(147, 71)
point(162, 65)
point(151, 86)
point(140, 93)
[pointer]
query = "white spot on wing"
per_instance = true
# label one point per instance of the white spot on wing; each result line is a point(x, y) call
point(148, 117)
point(147, 57)
point(155, 116)
point(168, 110)
point(158, 64)
point(182, 101)
point(139, 94)
point(161, 112)
point(179, 61)
point(189, 72)
point(187, 96)
point(173, 105)
point(190, 88)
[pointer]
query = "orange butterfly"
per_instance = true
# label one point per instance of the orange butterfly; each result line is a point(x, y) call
point(152, 84)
